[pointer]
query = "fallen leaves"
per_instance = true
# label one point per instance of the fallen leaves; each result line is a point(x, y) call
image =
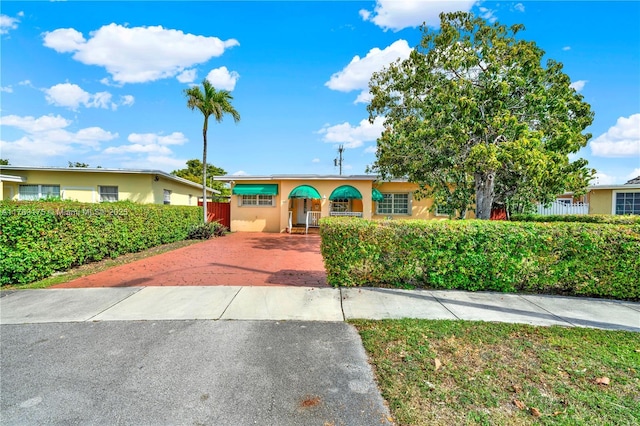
point(519, 404)
point(535, 412)
point(603, 381)
point(437, 364)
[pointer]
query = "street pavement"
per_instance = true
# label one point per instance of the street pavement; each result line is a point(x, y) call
point(228, 355)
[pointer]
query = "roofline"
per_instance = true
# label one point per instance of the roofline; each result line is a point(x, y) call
point(622, 186)
point(11, 178)
point(233, 178)
point(101, 170)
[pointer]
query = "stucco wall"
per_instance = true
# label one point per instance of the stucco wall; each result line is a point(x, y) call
point(600, 201)
point(79, 186)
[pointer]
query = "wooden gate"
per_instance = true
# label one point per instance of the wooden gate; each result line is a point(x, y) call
point(218, 212)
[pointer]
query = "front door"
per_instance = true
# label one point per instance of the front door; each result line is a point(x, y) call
point(301, 208)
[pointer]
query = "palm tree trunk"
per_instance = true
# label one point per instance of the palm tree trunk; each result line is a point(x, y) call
point(204, 170)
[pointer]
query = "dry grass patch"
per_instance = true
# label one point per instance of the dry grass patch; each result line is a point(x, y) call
point(477, 373)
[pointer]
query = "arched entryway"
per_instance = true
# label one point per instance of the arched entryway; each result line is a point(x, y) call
point(346, 201)
point(304, 207)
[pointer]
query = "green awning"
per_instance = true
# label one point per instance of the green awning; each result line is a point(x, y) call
point(345, 191)
point(255, 189)
point(305, 191)
point(376, 195)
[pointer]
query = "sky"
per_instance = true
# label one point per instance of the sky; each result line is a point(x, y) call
point(103, 82)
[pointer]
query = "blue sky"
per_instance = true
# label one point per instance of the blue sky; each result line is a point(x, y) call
point(102, 82)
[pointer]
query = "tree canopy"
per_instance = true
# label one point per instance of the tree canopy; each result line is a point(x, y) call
point(193, 172)
point(210, 102)
point(4, 161)
point(474, 118)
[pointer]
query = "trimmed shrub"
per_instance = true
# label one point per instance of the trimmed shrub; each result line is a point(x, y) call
point(590, 218)
point(579, 259)
point(38, 238)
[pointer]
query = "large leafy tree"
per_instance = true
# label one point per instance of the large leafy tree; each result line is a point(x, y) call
point(210, 102)
point(193, 172)
point(474, 117)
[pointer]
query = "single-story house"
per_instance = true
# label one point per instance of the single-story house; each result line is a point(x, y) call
point(615, 199)
point(280, 203)
point(94, 185)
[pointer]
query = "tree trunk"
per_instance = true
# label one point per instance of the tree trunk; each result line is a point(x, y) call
point(204, 171)
point(484, 194)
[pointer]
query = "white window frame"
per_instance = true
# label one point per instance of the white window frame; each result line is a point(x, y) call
point(166, 196)
point(615, 193)
point(344, 202)
point(108, 186)
point(256, 200)
point(393, 204)
point(40, 194)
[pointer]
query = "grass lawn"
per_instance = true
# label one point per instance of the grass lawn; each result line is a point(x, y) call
point(94, 267)
point(477, 373)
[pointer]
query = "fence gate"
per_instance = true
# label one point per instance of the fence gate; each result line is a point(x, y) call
point(218, 212)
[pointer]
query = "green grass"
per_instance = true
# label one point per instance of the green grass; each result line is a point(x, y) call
point(103, 265)
point(487, 369)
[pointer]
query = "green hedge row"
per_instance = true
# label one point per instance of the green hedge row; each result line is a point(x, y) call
point(590, 218)
point(39, 238)
point(580, 259)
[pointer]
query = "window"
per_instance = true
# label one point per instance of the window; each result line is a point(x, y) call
point(393, 204)
point(627, 203)
point(167, 196)
point(36, 192)
point(340, 205)
point(257, 200)
point(108, 193)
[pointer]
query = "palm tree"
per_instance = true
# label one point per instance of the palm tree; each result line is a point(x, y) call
point(210, 102)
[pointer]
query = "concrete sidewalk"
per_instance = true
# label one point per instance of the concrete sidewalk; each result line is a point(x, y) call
point(309, 304)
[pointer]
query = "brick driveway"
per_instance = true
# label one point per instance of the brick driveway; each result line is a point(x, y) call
point(246, 259)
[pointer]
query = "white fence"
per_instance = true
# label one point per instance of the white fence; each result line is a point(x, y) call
point(349, 214)
point(559, 208)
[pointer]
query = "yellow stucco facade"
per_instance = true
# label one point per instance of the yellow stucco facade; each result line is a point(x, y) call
point(146, 187)
point(275, 217)
point(602, 199)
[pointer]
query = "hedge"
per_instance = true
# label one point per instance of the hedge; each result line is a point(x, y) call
point(579, 259)
point(591, 218)
point(38, 238)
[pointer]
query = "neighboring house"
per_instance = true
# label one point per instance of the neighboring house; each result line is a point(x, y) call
point(91, 185)
point(280, 203)
point(615, 199)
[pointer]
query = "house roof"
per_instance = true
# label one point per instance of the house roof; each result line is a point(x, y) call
point(101, 170)
point(634, 181)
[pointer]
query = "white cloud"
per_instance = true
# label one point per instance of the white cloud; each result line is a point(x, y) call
point(634, 174)
point(8, 23)
point(240, 173)
point(315, 160)
point(149, 149)
point(187, 76)
point(353, 136)
point(35, 125)
point(221, 78)
point(519, 7)
point(371, 149)
point(566, 48)
point(127, 100)
point(396, 15)
point(601, 178)
point(621, 140)
point(71, 96)
point(578, 85)
point(175, 138)
point(47, 137)
point(356, 75)
point(7, 89)
point(138, 54)
point(487, 14)
point(155, 162)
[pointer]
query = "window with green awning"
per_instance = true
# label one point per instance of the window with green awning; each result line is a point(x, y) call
point(376, 195)
point(255, 189)
point(345, 192)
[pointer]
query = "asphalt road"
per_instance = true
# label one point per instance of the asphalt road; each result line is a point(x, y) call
point(186, 373)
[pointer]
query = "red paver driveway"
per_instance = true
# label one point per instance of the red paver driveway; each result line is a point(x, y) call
point(244, 259)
